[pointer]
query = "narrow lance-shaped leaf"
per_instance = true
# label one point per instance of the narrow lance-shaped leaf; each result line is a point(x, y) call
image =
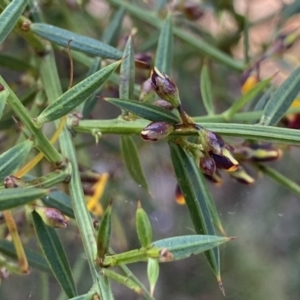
point(10, 198)
point(164, 51)
point(132, 161)
point(143, 226)
point(184, 246)
point(243, 100)
point(76, 95)
point(55, 255)
point(3, 96)
point(35, 259)
point(104, 233)
point(9, 17)
point(80, 43)
point(15, 63)
point(145, 110)
point(13, 158)
point(281, 100)
point(127, 71)
point(206, 91)
point(152, 273)
point(195, 193)
point(111, 33)
point(129, 283)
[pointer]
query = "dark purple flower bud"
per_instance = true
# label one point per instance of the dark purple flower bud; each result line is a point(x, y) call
point(164, 87)
point(212, 142)
point(225, 161)
point(207, 165)
point(264, 152)
point(143, 60)
point(147, 91)
point(51, 216)
point(156, 131)
point(192, 10)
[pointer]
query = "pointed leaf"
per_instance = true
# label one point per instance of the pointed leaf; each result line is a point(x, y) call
point(244, 99)
point(132, 161)
point(143, 226)
point(127, 71)
point(15, 63)
point(76, 95)
point(281, 100)
point(9, 17)
point(145, 110)
point(152, 273)
point(206, 91)
point(196, 196)
point(55, 255)
point(104, 233)
point(164, 50)
point(187, 245)
point(3, 96)
point(10, 198)
point(35, 259)
point(111, 33)
point(13, 158)
point(80, 43)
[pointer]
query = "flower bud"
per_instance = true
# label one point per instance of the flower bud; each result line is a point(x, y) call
point(163, 104)
point(207, 165)
point(192, 10)
point(51, 216)
point(13, 182)
point(164, 87)
point(225, 161)
point(212, 142)
point(178, 196)
point(242, 176)
point(265, 152)
point(156, 131)
point(147, 91)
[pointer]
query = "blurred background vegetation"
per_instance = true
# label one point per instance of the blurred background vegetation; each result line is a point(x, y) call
point(263, 263)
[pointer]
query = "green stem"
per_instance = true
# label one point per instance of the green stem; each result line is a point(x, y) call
point(194, 41)
point(41, 142)
point(53, 90)
point(246, 131)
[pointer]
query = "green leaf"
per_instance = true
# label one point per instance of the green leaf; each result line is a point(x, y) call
point(127, 71)
point(104, 233)
point(143, 226)
point(145, 110)
point(13, 158)
point(87, 296)
point(61, 201)
point(257, 132)
point(55, 255)
point(164, 50)
point(196, 196)
point(129, 283)
point(132, 161)
point(10, 16)
point(281, 100)
point(3, 96)
point(76, 95)
point(15, 63)
point(78, 42)
point(111, 33)
point(206, 91)
point(152, 273)
point(10, 198)
point(35, 259)
point(187, 245)
point(244, 99)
